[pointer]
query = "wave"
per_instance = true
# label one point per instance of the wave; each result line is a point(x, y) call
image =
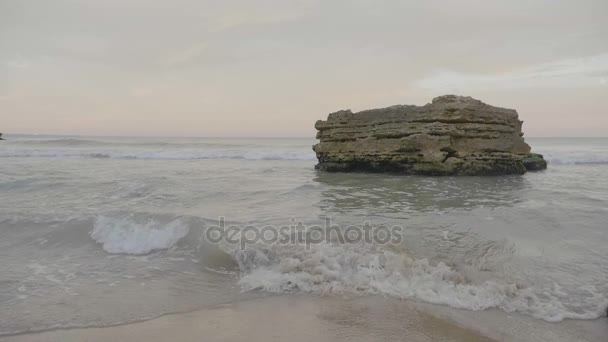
point(79, 149)
point(72, 142)
point(347, 269)
point(58, 142)
point(171, 155)
point(124, 235)
point(359, 269)
point(178, 143)
point(576, 158)
point(362, 270)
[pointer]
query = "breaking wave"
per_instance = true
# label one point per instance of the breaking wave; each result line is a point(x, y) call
point(568, 153)
point(360, 270)
point(171, 155)
point(131, 142)
point(563, 158)
point(57, 142)
point(128, 236)
point(577, 158)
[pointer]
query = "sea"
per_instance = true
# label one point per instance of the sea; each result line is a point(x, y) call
point(100, 231)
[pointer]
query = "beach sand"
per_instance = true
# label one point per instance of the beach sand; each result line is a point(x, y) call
point(280, 318)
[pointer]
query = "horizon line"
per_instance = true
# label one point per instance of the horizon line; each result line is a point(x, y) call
point(239, 137)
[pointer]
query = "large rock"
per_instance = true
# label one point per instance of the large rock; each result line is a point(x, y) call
point(453, 135)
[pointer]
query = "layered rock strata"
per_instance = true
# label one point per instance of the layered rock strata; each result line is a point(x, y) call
point(453, 135)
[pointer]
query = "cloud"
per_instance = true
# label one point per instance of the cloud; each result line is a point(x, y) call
point(587, 71)
point(235, 20)
point(259, 13)
point(245, 63)
point(184, 56)
point(16, 64)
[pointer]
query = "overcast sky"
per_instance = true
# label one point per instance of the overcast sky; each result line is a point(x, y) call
point(272, 68)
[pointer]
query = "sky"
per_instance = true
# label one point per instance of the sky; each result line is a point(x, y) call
point(272, 68)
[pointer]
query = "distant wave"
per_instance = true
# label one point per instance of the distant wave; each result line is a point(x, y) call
point(176, 154)
point(559, 158)
point(57, 142)
point(577, 158)
point(80, 148)
point(73, 142)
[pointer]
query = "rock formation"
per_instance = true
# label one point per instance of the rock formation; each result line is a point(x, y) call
point(453, 135)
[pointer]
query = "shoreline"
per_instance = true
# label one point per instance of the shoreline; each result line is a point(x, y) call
point(302, 317)
point(284, 317)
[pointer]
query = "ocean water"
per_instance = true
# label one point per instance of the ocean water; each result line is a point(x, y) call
point(101, 231)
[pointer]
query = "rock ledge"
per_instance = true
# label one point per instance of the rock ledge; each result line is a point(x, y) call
point(452, 135)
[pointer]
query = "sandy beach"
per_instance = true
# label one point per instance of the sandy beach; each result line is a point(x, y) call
point(280, 318)
point(304, 318)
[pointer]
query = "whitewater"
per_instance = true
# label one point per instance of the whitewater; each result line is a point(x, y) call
point(118, 224)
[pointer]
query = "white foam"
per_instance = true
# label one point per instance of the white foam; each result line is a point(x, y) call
point(576, 157)
point(128, 236)
point(155, 154)
point(555, 157)
point(357, 269)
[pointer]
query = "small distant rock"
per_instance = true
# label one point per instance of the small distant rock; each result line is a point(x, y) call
point(452, 135)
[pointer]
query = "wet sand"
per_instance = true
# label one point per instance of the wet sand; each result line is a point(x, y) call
point(280, 318)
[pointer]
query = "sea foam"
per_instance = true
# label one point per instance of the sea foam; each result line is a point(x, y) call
point(577, 157)
point(129, 236)
point(552, 157)
point(155, 154)
point(360, 270)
